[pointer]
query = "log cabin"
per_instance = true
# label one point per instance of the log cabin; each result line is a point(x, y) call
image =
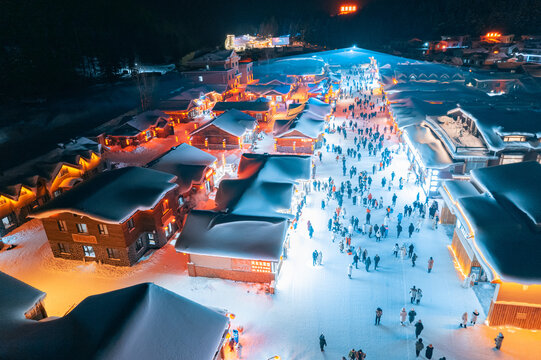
point(137, 130)
point(192, 103)
point(194, 170)
point(35, 182)
point(231, 130)
point(496, 238)
point(260, 109)
point(301, 131)
point(221, 242)
point(113, 218)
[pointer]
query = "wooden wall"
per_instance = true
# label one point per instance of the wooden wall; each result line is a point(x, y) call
point(215, 138)
point(522, 316)
point(446, 217)
point(464, 259)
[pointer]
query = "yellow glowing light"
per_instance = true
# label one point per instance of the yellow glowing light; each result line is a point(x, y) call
point(456, 263)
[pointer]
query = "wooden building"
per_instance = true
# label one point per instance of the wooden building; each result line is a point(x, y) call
point(260, 109)
point(194, 169)
point(19, 302)
point(277, 93)
point(113, 218)
point(301, 131)
point(192, 103)
point(233, 129)
point(31, 184)
point(497, 236)
point(245, 237)
point(137, 130)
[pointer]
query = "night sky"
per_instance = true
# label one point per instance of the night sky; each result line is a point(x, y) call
point(45, 41)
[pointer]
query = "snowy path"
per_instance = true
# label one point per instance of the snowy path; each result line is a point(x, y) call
point(309, 300)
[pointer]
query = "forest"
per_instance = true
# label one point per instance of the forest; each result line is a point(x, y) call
point(53, 47)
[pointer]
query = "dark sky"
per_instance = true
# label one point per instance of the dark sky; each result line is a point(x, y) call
point(44, 42)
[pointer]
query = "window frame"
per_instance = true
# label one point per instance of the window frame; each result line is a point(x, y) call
point(102, 229)
point(113, 254)
point(88, 251)
point(139, 244)
point(63, 248)
point(62, 226)
point(130, 224)
point(80, 226)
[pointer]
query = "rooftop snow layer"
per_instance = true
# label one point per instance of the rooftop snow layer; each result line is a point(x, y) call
point(16, 298)
point(232, 121)
point(186, 162)
point(144, 321)
point(260, 104)
point(503, 239)
point(235, 236)
point(112, 196)
point(428, 146)
point(516, 184)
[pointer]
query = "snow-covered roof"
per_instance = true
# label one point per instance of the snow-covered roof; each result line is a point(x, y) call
point(458, 189)
point(46, 166)
point(112, 196)
point(232, 121)
point(147, 119)
point(261, 104)
point(306, 120)
point(236, 236)
point(186, 162)
point(264, 186)
point(175, 105)
point(269, 88)
point(144, 321)
point(16, 298)
point(506, 221)
point(496, 122)
point(431, 150)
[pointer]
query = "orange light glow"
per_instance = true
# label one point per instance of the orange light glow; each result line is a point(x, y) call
point(395, 81)
point(261, 266)
point(456, 263)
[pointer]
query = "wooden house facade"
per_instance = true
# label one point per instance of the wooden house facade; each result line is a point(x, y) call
point(32, 184)
point(99, 222)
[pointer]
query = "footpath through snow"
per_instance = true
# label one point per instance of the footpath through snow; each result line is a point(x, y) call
point(310, 300)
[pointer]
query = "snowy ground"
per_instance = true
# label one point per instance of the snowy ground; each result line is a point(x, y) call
point(309, 300)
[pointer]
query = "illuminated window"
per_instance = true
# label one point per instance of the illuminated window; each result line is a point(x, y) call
point(261, 266)
point(511, 159)
point(82, 228)
point(57, 193)
point(200, 79)
point(165, 206)
point(89, 251)
point(62, 225)
point(180, 200)
point(130, 224)
point(102, 228)
point(113, 253)
point(63, 248)
point(151, 239)
point(168, 230)
point(514, 138)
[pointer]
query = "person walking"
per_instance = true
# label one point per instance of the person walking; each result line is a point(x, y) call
point(411, 315)
point(410, 250)
point(413, 294)
point(411, 228)
point(355, 260)
point(398, 230)
point(430, 264)
point(413, 259)
point(350, 269)
point(395, 250)
point(403, 315)
point(464, 322)
point(376, 261)
point(319, 257)
point(474, 316)
point(429, 351)
point(419, 346)
point(419, 296)
point(368, 263)
point(418, 328)
point(498, 341)
point(322, 342)
point(379, 312)
point(314, 257)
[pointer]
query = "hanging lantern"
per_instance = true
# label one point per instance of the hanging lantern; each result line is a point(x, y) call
point(223, 143)
point(206, 142)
